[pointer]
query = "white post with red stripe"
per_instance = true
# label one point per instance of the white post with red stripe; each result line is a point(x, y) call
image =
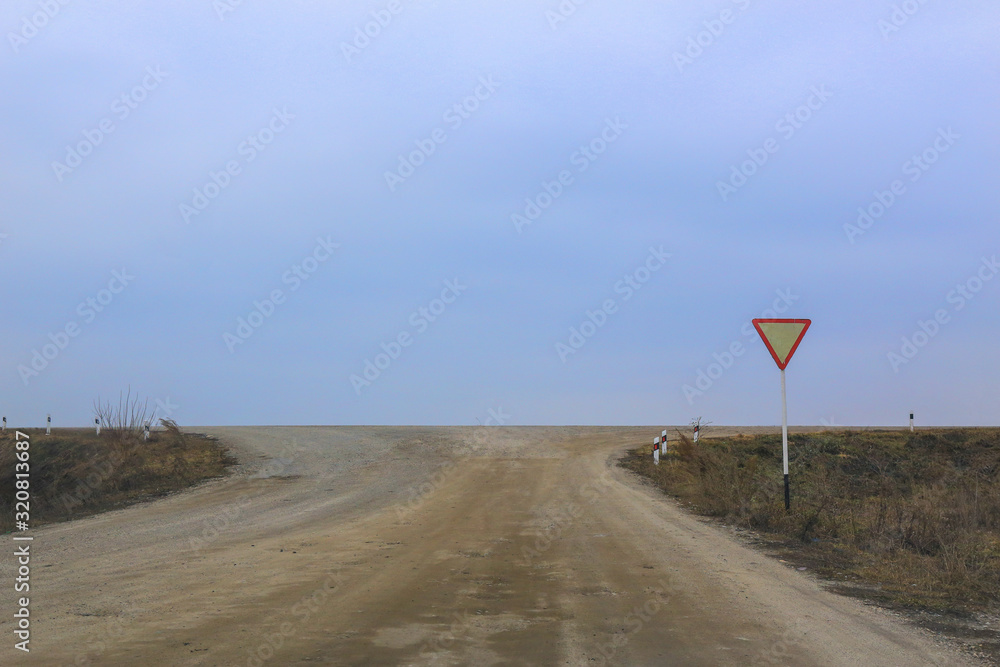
point(656, 451)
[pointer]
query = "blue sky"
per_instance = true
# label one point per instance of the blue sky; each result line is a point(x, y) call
point(248, 152)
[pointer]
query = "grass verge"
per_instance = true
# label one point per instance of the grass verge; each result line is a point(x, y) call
point(75, 473)
point(910, 521)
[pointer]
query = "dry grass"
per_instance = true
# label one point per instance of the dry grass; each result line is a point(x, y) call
point(911, 520)
point(75, 473)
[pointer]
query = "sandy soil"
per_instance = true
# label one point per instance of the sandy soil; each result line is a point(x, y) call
point(431, 546)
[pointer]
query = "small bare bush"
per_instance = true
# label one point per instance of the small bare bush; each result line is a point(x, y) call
point(125, 421)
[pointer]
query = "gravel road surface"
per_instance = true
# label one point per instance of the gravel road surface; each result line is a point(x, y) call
point(431, 546)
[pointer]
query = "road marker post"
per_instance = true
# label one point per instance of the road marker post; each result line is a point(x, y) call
point(656, 451)
point(663, 443)
point(4, 424)
point(97, 425)
point(48, 426)
point(911, 422)
point(145, 432)
point(782, 338)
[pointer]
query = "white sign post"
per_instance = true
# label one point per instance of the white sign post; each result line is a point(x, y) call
point(4, 424)
point(97, 425)
point(663, 443)
point(782, 338)
point(911, 422)
point(656, 451)
point(48, 426)
point(784, 440)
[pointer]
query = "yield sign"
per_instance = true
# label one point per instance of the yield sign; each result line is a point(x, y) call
point(782, 337)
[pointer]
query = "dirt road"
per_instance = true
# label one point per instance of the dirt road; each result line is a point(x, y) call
point(430, 546)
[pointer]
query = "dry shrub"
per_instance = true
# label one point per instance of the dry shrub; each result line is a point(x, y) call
point(173, 433)
point(123, 423)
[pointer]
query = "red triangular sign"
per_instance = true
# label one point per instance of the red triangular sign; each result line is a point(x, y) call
point(782, 337)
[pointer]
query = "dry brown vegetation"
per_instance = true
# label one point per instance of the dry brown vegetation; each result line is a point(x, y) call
point(911, 520)
point(75, 473)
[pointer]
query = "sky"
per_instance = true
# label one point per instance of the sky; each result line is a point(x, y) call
point(518, 212)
